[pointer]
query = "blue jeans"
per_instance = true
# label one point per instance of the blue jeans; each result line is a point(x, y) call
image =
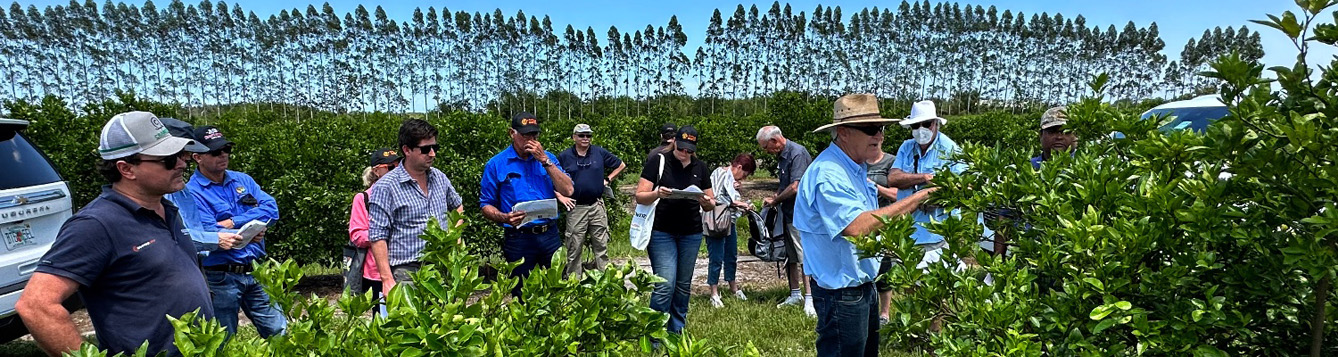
point(233, 291)
point(536, 249)
point(847, 320)
point(722, 251)
point(673, 258)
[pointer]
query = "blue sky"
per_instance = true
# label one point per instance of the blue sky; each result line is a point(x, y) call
point(1177, 20)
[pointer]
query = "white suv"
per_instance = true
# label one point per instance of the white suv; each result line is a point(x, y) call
point(1190, 114)
point(34, 203)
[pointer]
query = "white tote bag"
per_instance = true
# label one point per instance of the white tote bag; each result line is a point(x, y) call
point(644, 217)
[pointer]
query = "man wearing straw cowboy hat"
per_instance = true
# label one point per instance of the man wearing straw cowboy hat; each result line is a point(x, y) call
point(836, 200)
point(917, 160)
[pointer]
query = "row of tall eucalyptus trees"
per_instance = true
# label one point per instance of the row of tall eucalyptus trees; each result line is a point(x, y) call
point(213, 53)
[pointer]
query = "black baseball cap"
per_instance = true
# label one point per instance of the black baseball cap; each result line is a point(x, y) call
point(211, 137)
point(686, 138)
point(184, 130)
point(384, 156)
point(668, 131)
point(525, 123)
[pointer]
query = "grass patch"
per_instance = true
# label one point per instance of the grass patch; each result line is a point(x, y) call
point(774, 331)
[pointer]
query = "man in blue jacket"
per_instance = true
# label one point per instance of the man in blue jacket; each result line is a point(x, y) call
point(227, 200)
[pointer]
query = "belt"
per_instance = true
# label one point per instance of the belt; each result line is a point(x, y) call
point(533, 229)
point(230, 268)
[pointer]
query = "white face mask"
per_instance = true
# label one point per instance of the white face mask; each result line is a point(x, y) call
point(923, 136)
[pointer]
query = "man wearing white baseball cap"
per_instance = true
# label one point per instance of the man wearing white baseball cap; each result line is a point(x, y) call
point(122, 250)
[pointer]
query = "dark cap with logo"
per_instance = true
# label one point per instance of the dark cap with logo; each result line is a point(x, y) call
point(210, 136)
point(525, 123)
point(668, 131)
point(686, 138)
point(384, 156)
point(183, 129)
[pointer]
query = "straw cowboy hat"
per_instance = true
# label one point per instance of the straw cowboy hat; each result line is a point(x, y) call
point(922, 111)
point(855, 109)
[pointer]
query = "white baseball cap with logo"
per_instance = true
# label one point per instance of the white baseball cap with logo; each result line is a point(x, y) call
point(138, 133)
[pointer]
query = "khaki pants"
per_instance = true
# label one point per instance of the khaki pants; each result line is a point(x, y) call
point(583, 219)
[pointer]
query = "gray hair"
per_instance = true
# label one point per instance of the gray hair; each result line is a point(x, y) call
point(369, 177)
point(768, 132)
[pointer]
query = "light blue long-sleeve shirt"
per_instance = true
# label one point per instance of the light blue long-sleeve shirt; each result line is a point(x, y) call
point(833, 192)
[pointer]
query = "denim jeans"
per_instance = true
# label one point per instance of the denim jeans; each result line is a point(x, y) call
point(847, 320)
point(673, 258)
point(722, 251)
point(232, 291)
point(536, 249)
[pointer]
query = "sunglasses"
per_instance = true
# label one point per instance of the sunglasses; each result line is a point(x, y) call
point(686, 151)
point(219, 152)
point(169, 162)
point(869, 130)
point(921, 125)
point(425, 149)
point(390, 166)
point(584, 136)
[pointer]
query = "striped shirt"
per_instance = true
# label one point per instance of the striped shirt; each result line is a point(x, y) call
point(400, 211)
point(725, 194)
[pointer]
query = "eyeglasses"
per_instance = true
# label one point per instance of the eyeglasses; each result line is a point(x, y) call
point(686, 151)
point(584, 136)
point(425, 149)
point(869, 130)
point(220, 152)
point(921, 125)
point(390, 166)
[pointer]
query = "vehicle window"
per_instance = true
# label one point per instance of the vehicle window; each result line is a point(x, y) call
point(23, 165)
point(1194, 118)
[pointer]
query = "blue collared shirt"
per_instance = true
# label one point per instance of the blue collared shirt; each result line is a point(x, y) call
point(832, 194)
point(205, 242)
point(911, 160)
point(508, 179)
point(398, 211)
point(221, 201)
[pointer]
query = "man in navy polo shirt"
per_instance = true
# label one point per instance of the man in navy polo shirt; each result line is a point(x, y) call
point(228, 200)
point(122, 251)
point(523, 172)
point(588, 167)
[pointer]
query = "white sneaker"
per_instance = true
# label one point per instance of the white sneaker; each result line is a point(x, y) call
point(793, 300)
point(715, 301)
point(739, 294)
point(808, 308)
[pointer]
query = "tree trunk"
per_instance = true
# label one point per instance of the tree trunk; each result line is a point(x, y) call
point(1317, 321)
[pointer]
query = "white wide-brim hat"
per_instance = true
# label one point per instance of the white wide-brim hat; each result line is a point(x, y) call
point(923, 111)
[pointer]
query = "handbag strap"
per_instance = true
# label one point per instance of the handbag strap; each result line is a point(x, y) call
point(660, 176)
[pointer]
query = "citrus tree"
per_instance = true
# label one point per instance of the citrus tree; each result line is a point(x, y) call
point(1214, 243)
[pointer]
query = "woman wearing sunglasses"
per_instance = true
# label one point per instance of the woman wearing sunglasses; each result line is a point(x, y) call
point(382, 161)
point(676, 234)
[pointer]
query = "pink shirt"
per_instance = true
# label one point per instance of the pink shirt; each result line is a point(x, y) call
point(358, 222)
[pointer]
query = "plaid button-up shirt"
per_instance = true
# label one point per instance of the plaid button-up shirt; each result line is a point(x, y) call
point(399, 211)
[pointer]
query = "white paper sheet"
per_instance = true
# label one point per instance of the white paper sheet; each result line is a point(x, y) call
point(690, 193)
point(538, 209)
point(249, 232)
